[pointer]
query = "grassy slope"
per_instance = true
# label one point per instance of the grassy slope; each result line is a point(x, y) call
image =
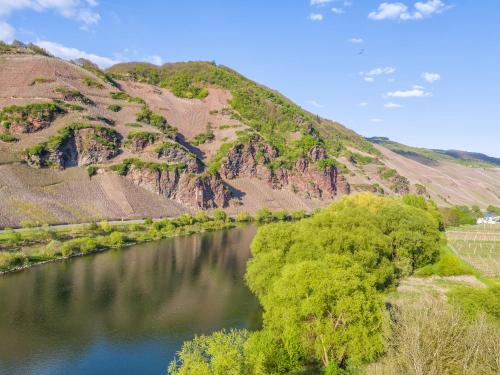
point(432, 157)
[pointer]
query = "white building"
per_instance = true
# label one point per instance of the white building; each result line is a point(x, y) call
point(489, 220)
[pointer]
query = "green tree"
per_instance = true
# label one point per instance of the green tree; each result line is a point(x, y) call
point(219, 214)
point(221, 353)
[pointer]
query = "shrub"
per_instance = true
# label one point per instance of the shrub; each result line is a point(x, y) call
point(92, 170)
point(105, 226)
point(7, 137)
point(219, 214)
point(297, 215)
point(10, 260)
point(201, 217)
point(243, 217)
point(92, 83)
point(148, 221)
point(264, 215)
point(203, 138)
point(115, 107)
point(448, 264)
point(281, 215)
point(116, 239)
point(185, 219)
point(120, 95)
point(474, 301)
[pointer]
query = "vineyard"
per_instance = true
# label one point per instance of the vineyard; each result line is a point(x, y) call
point(479, 245)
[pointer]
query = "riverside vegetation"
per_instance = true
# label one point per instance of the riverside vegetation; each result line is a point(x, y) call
point(33, 245)
point(322, 283)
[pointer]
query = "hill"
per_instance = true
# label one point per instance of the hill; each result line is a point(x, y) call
point(432, 157)
point(79, 144)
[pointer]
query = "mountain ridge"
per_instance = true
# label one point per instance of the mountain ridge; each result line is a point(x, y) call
point(178, 138)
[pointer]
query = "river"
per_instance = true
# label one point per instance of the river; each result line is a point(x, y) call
point(125, 311)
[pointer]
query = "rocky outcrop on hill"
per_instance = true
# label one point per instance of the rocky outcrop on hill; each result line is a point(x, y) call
point(175, 153)
point(77, 146)
point(312, 174)
point(195, 191)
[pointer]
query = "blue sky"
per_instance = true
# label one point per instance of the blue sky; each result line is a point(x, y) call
point(425, 72)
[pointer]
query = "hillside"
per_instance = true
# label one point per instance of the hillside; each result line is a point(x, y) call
point(78, 144)
point(432, 157)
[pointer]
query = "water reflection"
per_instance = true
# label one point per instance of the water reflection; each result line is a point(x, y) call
point(124, 311)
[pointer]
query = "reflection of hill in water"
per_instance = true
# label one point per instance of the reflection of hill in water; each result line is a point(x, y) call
point(172, 287)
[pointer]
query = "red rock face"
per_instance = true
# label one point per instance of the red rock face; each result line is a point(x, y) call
point(31, 125)
point(194, 191)
point(306, 177)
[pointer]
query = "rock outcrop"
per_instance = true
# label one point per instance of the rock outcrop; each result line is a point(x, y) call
point(77, 147)
point(197, 191)
point(307, 176)
point(171, 152)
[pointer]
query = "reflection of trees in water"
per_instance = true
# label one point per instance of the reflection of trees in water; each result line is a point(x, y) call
point(184, 284)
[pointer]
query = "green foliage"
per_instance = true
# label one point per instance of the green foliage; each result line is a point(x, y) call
point(7, 137)
point(264, 215)
point(133, 125)
point(12, 259)
point(457, 215)
point(243, 217)
point(386, 173)
point(298, 215)
point(116, 239)
point(474, 301)
point(40, 80)
point(120, 95)
point(201, 217)
point(219, 354)
point(91, 67)
point(92, 170)
point(494, 209)
point(103, 135)
point(448, 264)
point(219, 214)
point(70, 94)
point(357, 158)
point(15, 114)
point(126, 164)
point(203, 138)
point(149, 117)
point(92, 83)
point(115, 107)
point(281, 215)
point(144, 136)
point(216, 162)
point(183, 86)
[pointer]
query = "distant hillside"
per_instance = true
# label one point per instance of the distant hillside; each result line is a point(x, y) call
point(431, 156)
point(78, 144)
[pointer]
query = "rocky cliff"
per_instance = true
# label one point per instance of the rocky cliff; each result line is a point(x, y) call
point(310, 175)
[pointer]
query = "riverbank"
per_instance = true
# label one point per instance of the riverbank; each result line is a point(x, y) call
point(22, 249)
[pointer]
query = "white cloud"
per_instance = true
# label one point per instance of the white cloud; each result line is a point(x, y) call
point(376, 120)
point(363, 104)
point(314, 103)
point(69, 53)
point(380, 71)
point(414, 92)
point(369, 79)
point(430, 7)
point(320, 2)
point(79, 10)
point(431, 77)
point(6, 32)
point(399, 11)
point(356, 40)
point(157, 60)
point(392, 105)
point(316, 17)
point(337, 11)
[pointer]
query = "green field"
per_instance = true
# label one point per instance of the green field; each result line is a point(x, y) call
point(479, 245)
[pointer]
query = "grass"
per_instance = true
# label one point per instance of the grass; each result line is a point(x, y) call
point(70, 94)
point(115, 108)
point(120, 95)
point(473, 301)
point(92, 83)
point(203, 138)
point(7, 137)
point(449, 264)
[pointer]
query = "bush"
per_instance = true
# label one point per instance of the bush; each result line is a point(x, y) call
point(7, 137)
point(115, 107)
point(92, 170)
point(298, 215)
point(148, 221)
point(116, 239)
point(184, 220)
point(243, 217)
point(281, 215)
point(203, 138)
point(92, 83)
point(456, 216)
point(474, 301)
point(10, 260)
point(201, 217)
point(219, 214)
point(448, 264)
point(264, 215)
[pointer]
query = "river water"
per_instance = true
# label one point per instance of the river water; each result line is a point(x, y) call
point(125, 311)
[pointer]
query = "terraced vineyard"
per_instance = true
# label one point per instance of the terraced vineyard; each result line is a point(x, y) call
point(479, 245)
